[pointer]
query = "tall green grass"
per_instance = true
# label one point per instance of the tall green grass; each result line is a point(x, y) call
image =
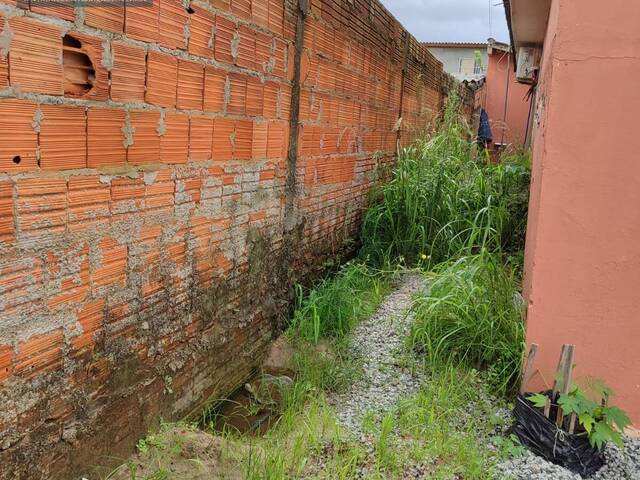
point(472, 314)
point(449, 209)
point(335, 305)
point(445, 200)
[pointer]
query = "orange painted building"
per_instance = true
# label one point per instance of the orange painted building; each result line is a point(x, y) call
point(506, 101)
point(582, 261)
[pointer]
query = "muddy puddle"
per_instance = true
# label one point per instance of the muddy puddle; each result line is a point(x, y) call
point(255, 407)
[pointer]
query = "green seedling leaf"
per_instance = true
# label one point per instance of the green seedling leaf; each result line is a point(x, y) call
point(616, 438)
point(587, 422)
point(600, 388)
point(597, 420)
point(569, 404)
point(539, 400)
point(617, 416)
point(603, 433)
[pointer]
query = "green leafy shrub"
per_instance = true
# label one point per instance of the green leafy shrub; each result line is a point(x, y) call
point(598, 421)
point(473, 314)
point(334, 306)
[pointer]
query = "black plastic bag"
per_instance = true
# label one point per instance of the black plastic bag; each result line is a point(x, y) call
point(544, 438)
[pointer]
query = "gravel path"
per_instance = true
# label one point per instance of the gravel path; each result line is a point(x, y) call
point(376, 341)
point(620, 465)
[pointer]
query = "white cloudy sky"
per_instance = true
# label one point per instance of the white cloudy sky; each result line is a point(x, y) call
point(450, 20)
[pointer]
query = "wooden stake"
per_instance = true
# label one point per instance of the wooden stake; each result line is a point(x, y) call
point(567, 370)
point(547, 408)
point(572, 423)
point(528, 370)
point(554, 390)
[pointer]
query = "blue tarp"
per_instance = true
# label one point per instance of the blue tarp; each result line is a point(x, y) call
point(484, 132)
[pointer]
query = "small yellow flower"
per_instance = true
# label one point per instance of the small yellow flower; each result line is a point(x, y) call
point(423, 256)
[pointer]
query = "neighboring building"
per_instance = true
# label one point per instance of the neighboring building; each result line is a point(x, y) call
point(582, 260)
point(506, 101)
point(465, 61)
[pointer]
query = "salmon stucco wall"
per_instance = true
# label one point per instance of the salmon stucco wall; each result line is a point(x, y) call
point(583, 254)
point(501, 84)
point(167, 172)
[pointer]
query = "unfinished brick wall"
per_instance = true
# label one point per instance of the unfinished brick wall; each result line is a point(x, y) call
point(153, 212)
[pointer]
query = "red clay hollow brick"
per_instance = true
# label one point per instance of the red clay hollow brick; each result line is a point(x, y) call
point(105, 145)
point(128, 73)
point(247, 48)
point(202, 39)
point(90, 319)
point(225, 35)
point(255, 97)
point(190, 85)
point(223, 138)
point(276, 16)
point(259, 142)
point(80, 53)
point(63, 141)
point(200, 138)
point(260, 12)
point(142, 22)
point(241, 8)
point(110, 18)
point(214, 89)
point(60, 9)
point(7, 231)
point(243, 139)
point(146, 141)
point(162, 77)
point(18, 139)
point(174, 144)
point(238, 94)
point(172, 20)
point(40, 354)
point(4, 60)
point(34, 59)
point(6, 362)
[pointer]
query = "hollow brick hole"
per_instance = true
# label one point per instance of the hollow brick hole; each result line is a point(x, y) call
point(79, 74)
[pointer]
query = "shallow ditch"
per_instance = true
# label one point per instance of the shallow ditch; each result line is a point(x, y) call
point(253, 408)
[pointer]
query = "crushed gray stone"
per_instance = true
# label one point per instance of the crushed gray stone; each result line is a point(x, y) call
point(377, 342)
point(620, 464)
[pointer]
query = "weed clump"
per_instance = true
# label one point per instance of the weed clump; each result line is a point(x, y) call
point(446, 200)
point(451, 210)
point(336, 305)
point(472, 314)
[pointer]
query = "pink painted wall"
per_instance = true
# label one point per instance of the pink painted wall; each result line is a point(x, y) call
point(583, 244)
point(499, 72)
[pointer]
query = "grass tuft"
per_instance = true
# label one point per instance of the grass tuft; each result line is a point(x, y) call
point(336, 305)
point(445, 200)
point(473, 314)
